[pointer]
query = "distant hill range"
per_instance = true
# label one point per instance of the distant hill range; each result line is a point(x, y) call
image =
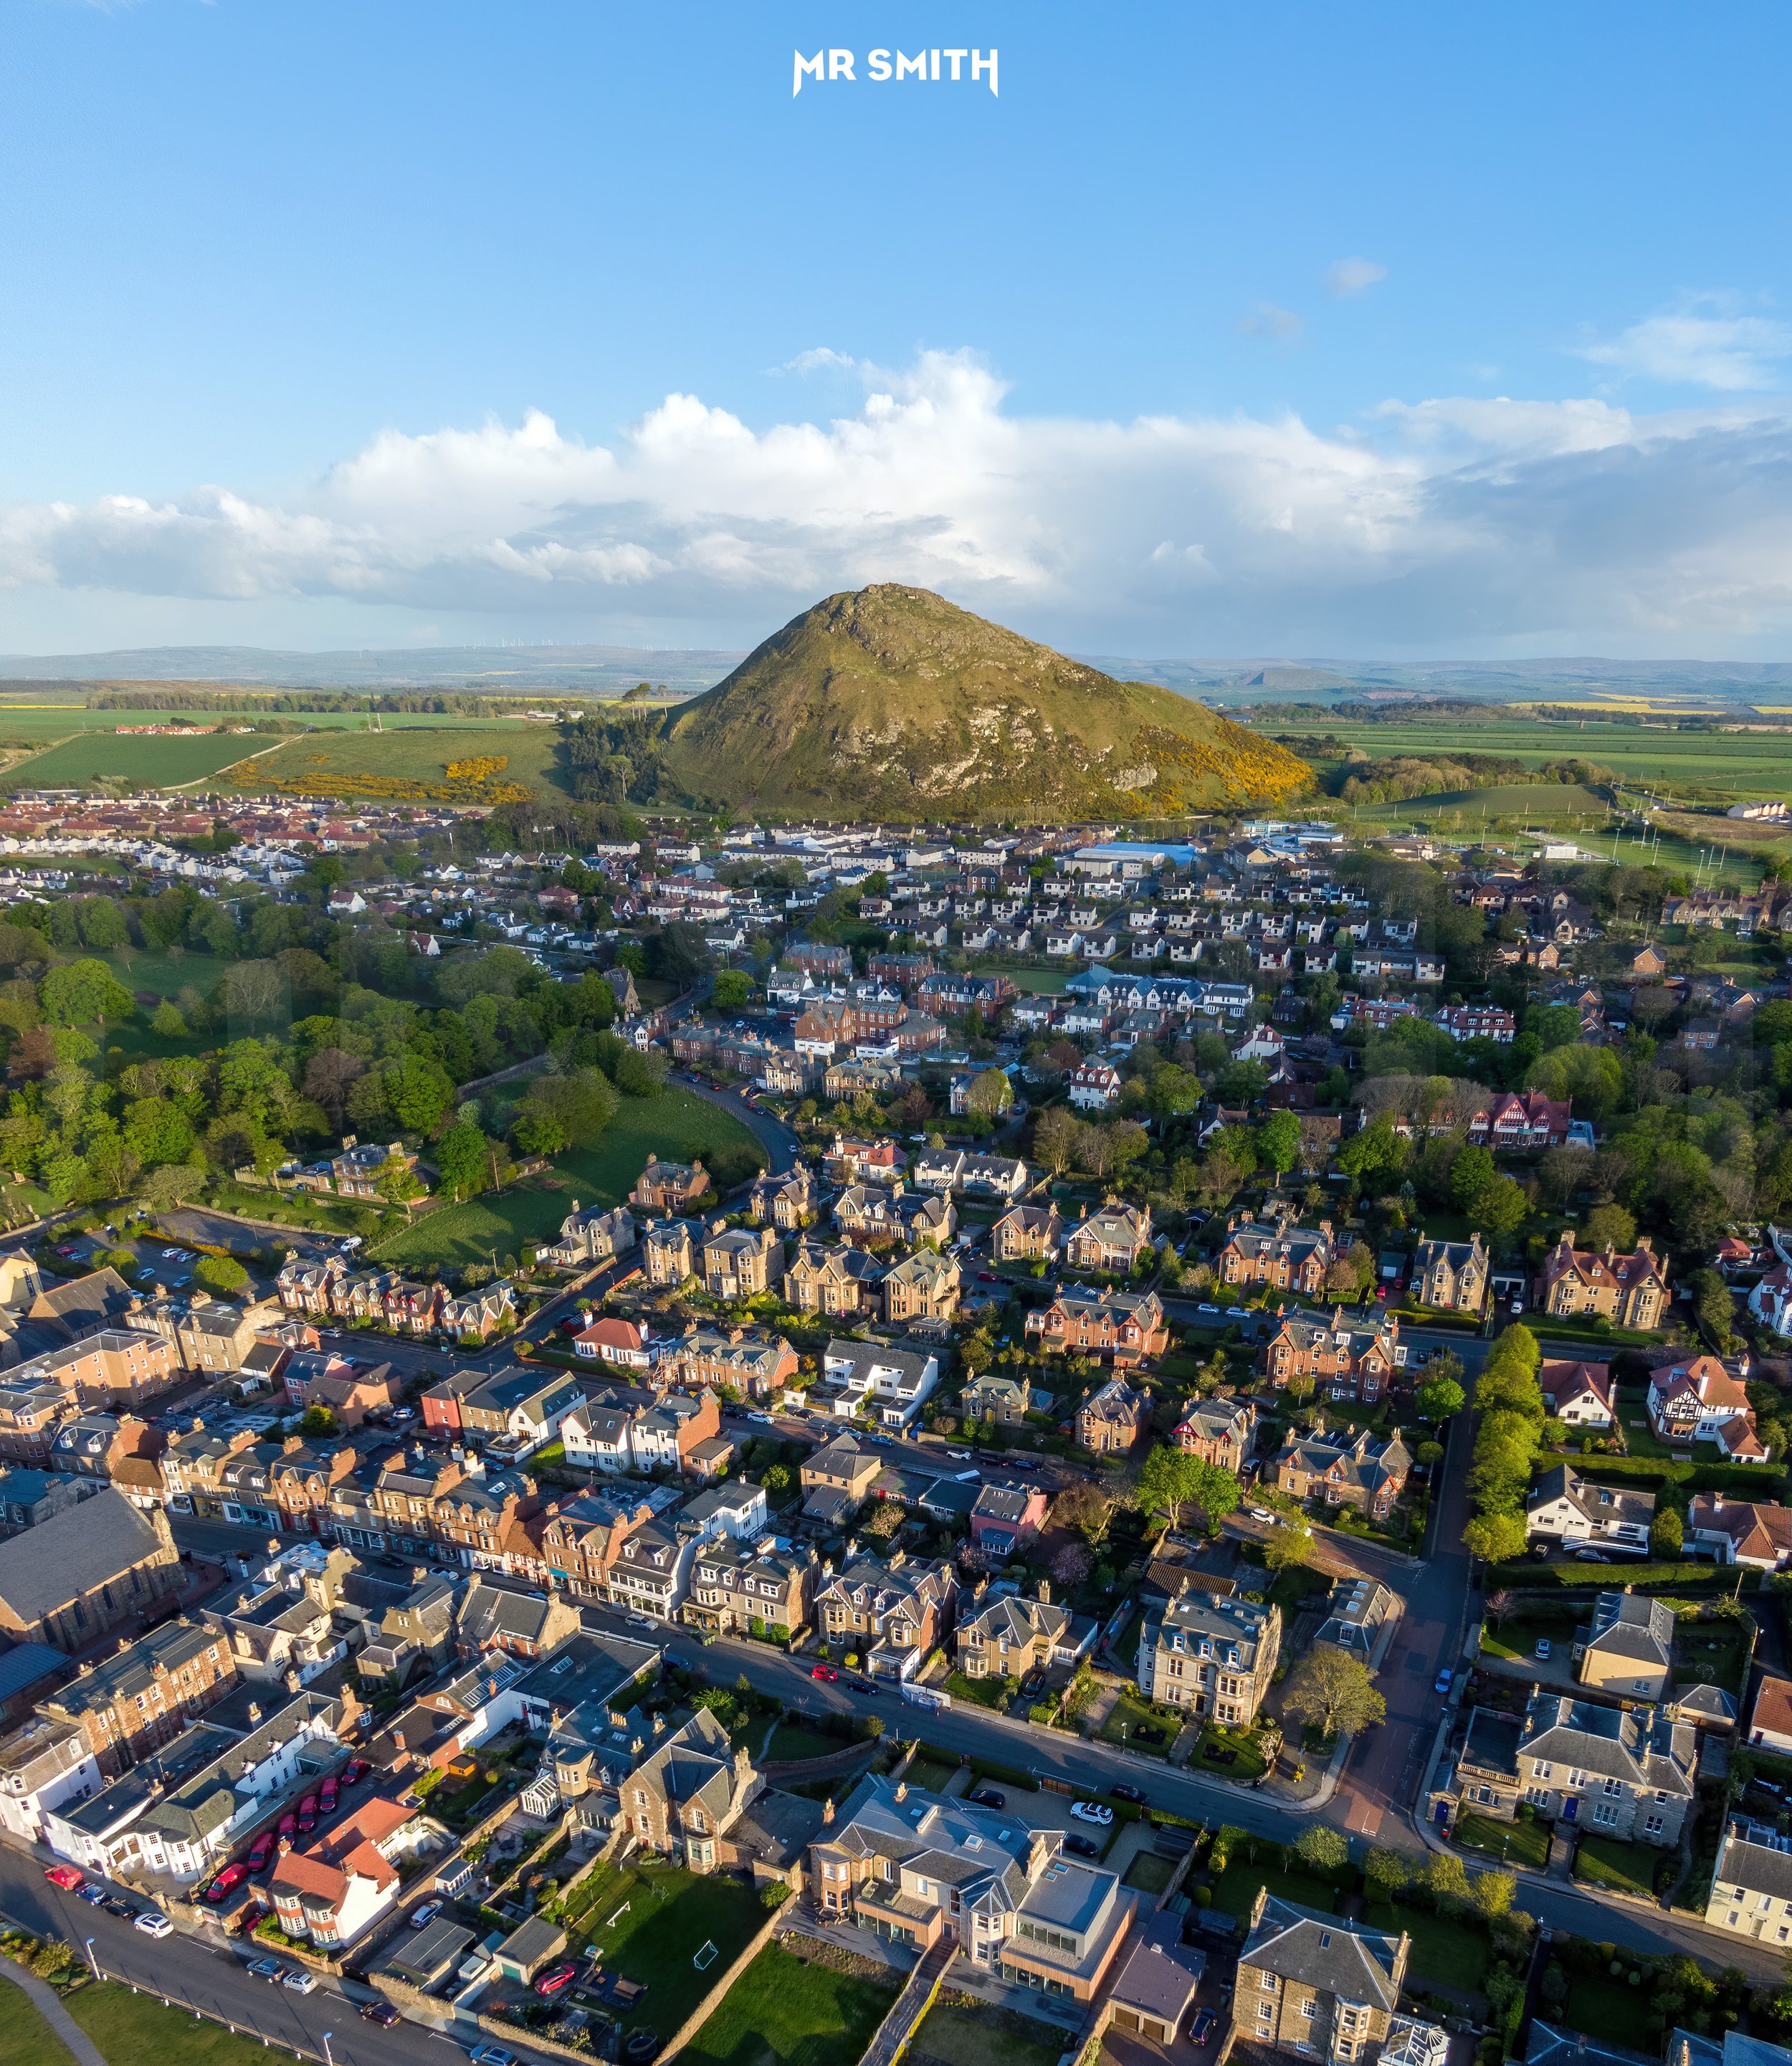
point(892, 701)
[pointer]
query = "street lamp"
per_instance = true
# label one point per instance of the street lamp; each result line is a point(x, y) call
point(92, 1962)
point(329, 2058)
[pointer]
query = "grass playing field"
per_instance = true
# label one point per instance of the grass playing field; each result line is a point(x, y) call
point(162, 761)
point(784, 2011)
point(605, 1175)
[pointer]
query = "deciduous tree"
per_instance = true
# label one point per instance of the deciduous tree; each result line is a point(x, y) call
point(1334, 1692)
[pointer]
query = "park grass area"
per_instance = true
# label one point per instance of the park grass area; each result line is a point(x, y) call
point(790, 1740)
point(1613, 2011)
point(1236, 1888)
point(1135, 1723)
point(168, 974)
point(929, 1776)
point(163, 761)
point(1513, 1843)
point(983, 2036)
point(651, 1923)
point(342, 763)
point(667, 1125)
point(128, 2026)
point(25, 2039)
point(1602, 1861)
point(1449, 1952)
point(784, 2011)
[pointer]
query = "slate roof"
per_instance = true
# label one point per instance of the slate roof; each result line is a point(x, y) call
point(1325, 1953)
point(72, 1553)
point(1642, 1745)
point(1630, 1625)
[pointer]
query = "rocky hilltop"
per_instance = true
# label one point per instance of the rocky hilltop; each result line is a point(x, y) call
point(891, 701)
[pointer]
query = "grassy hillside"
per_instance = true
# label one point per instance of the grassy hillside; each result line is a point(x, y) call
point(409, 765)
point(891, 701)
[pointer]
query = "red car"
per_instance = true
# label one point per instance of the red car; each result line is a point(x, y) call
point(231, 1876)
point(289, 1824)
point(65, 1876)
point(824, 1671)
point(556, 1977)
point(355, 1771)
point(308, 1814)
point(260, 1851)
point(326, 1795)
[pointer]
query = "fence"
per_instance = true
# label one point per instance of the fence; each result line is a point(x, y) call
point(699, 2016)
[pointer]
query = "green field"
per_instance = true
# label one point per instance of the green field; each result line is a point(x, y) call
point(126, 2027)
point(419, 752)
point(784, 2011)
point(1729, 765)
point(601, 1175)
point(984, 2036)
point(163, 762)
point(25, 2039)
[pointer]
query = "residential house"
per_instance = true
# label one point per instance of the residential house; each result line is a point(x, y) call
point(1095, 1085)
point(29, 1496)
point(894, 1614)
point(1738, 1531)
point(744, 1588)
point(668, 1188)
point(1564, 1507)
point(1218, 1431)
point(145, 1694)
point(1626, 1772)
point(1213, 1655)
point(1277, 1254)
point(589, 1237)
point(496, 1612)
point(1629, 1647)
point(330, 1891)
point(667, 1434)
point(1005, 1520)
point(1002, 1634)
point(920, 1870)
point(740, 1263)
point(1751, 1884)
point(1028, 1234)
point(924, 1285)
point(1003, 1401)
point(622, 1345)
point(1315, 1985)
point(1578, 1393)
point(1358, 1614)
point(278, 1631)
point(1452, 1275)
point(1113, 1239)
point(890, 1385)
point(668, 1253)
point(840, 1281)
point(1630, 1291)
point(788, 1202)
point(1354, 1468)
point(480, 1314)
point(1518, 1120)
point(516, 1411)
point(320, 1379)
point(1123, 1329)
point(952, 1169)
point(42, 1765)
point(1699, 1401)
point(1770, 1718)
point(839, 1477)
point(1111, 1419)
point(685, 1795)
point(1343, 1362)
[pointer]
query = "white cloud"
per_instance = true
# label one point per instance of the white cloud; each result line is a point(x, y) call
point(1702, 343)
point(819, 358)
point(1438, 526)
point(1354, 276)
point(1267, 320)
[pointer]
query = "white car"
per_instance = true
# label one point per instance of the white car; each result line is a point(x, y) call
point(1206, 1309)
point(300, 1981)
point(1096, 1811)
point(154, 1923)
point(761, 1419)
point(1260, 1513)
point(425, 1915)
point(1543, 1648)
point(168, 1254)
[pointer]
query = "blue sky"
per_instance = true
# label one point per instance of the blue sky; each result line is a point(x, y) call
point(1254, 329)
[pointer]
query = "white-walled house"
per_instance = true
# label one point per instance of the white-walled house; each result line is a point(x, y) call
point(43, 1766)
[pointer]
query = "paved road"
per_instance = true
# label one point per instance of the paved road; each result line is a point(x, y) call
point(778, 1140)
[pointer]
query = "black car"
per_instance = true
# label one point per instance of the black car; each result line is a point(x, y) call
point(1125, 1793)
point(116, 1905)
point(1082, 1846)
point(381, 2013)
point(987, 1797)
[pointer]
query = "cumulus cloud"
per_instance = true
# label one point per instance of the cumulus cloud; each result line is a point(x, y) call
point(1354, 276)
point(1267, 320)
point(1434, 523)
point(1702, 343)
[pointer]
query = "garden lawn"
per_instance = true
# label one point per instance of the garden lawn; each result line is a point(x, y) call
point(1133, 1721)
point(138, 2028)
point(791, 1740)
point(927, 1776)
point(1624, 1868)
point(670, 1914)
point(25, 2039)
point(989, 1692)
point(667, 1126)
point(1613, 2010)
point(783, 2011)
point(1236, 1888)
point(1451, 1953)
point(1518, 1636)
point(979, 2037)
point(1234, 1753)
point(1149, 1873)
point(1513, 1843)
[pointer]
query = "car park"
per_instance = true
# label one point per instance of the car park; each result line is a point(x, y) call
point(299, 1980)
point(987, 1797)
point(425, 1915)
point(1096, 1811)
point(154, 1923)
point(65, 1876)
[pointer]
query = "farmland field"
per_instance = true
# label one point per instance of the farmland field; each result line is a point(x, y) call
point(162, 762)
point(50, 721)
point(601, 1175)
point(417, 753)
point(1726, 766)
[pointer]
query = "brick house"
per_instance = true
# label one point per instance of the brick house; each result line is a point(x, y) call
point(1001, 1634)
point(922, 1287)
point(838, 1281)
point(742, 1588)
point(1452, 1275)
point(1112, 1418)
point(1354, 1468)
point(741, 1262)
point(1279, 1255)
point(1344, 1363)
point(1218, 1431)
point(1122, 1328)
point(1112, 1239)
point(668, 1187)
point(1213, 1656)
point(1630, 1291)
point(667, 1253)
point(895, 1614)
point(1006, 1519)
point(1028, 1234)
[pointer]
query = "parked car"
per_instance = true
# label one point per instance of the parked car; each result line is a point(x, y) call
point(1096, 1811)
point(327, 1796)
point(266, 1969)
point(289, 1824)
point(1082, 1847)
point(404, 1412)
point(308, 1814)
point(557, 1978)
point(65, 1876)
point(1542, 1647)
point(300, 1980)
point(259, 1851)
point(422, 1918)
point(92, 1894)
point(154, 1923)
point(355, 1771)
point(987, 1797)
point(115, 1904)
point(1125, 1792)
point(826, 1672)
point(1206, 1309)
point(1200, 2026)
point(492, 2055)
point(1445, 1679)
point(381, 2013)
point(231, 1877)
point(1236, 1312)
